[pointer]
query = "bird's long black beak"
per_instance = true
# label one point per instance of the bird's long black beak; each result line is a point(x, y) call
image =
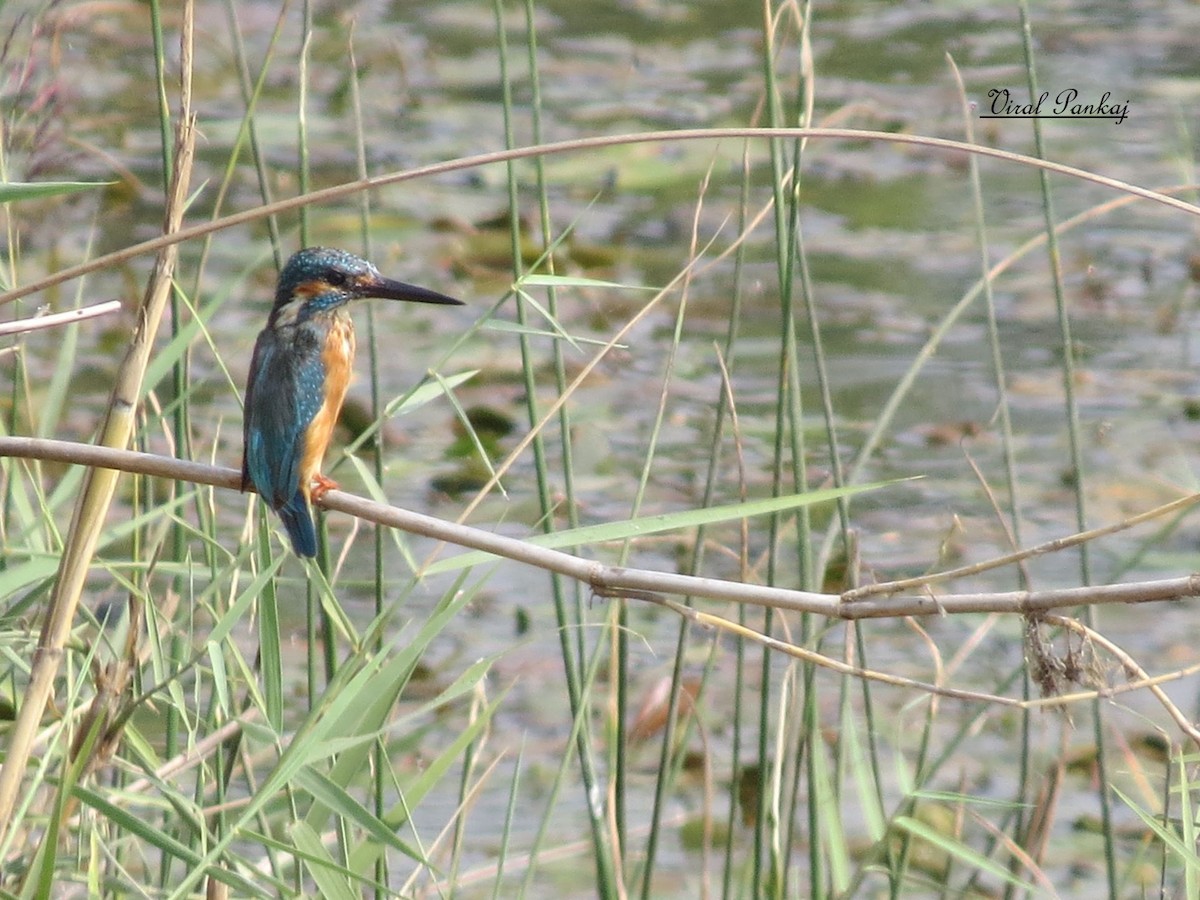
point(387, 289)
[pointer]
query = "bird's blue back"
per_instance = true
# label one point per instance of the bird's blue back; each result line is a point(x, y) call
point(283, 395)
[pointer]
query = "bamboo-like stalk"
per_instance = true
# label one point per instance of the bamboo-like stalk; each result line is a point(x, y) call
point(100, 484)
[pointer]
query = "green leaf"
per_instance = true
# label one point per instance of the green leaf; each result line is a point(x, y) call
point(953, 797)
point(370, 697)
point(407, 402)
point(575, 281)
point(130, 821)
point(435, 769)
point(688, 518)
point(503, 325)
point(967, 856)
point(26, 190)
point(427, 392)
point(1176, 849)
point(338, 801)
point(545, 314)
point(333, 881)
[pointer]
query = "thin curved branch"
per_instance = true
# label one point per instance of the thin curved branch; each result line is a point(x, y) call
point(619, 581)
point(340, 191)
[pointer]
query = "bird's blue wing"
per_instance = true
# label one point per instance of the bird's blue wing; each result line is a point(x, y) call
point(284, 392)
point(274, 426)
point(309, 391)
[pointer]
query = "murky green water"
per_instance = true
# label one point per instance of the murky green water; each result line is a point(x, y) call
point(891, 244)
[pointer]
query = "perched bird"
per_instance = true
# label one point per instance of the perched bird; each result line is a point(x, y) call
point(298, 378)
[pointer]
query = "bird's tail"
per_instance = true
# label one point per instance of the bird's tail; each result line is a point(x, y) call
point(298, 521)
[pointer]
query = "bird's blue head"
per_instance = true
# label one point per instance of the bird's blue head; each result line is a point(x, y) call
point(318, 280)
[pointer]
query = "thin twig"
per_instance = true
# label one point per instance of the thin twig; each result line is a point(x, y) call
point(1052, 546)
point(52, 320)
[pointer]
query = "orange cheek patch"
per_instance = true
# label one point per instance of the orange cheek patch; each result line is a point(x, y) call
point(309, 289)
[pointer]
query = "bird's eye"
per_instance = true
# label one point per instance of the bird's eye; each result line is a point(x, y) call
point(335, 278)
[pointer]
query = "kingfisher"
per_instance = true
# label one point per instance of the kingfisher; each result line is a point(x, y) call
point(298, 378)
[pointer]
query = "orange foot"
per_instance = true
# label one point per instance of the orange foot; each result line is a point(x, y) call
point(322, 486)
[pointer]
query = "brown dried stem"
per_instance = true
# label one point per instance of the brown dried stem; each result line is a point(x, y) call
point(100, 484)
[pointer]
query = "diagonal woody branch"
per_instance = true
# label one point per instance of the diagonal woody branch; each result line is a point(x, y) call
point(620, 581)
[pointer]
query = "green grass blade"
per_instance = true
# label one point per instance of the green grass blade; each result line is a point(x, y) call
point(17, 190)
point(140, 827)
point(647, 525)
point(574, 281)
point(505, 327)
point(334, 882)
point(338, 801)
point(960, 851)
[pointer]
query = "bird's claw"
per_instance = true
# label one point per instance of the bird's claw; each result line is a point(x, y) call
point(322, 486)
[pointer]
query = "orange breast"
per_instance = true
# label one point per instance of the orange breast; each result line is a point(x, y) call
point(337, 358)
